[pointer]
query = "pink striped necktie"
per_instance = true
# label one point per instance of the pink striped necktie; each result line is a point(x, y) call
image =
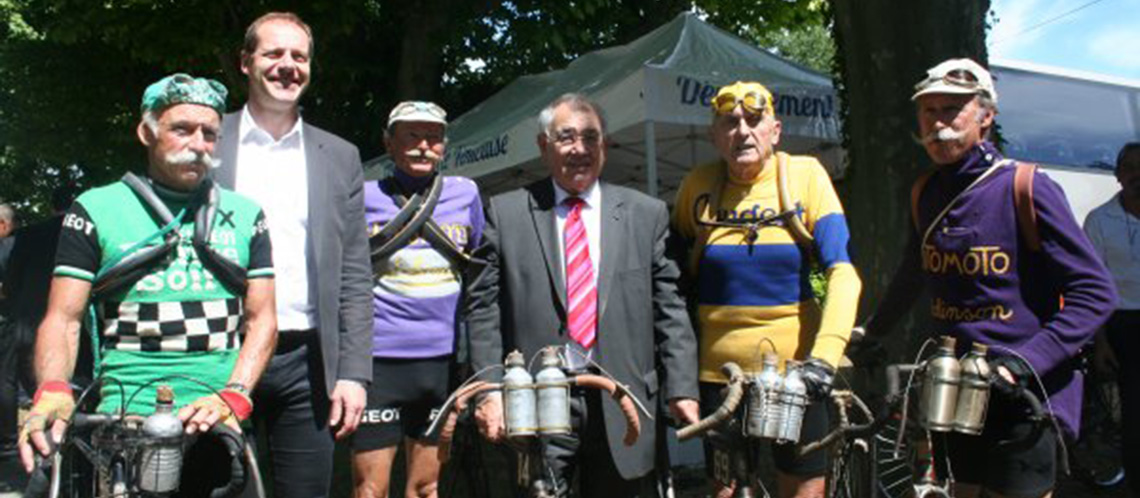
point(582, 294)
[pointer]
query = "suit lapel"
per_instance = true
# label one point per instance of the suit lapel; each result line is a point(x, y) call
point(226, 174)
point(319, 212)
point(613, 205)
point(542, 214)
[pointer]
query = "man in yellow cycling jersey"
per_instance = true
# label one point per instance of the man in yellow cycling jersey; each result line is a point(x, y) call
point(751, 248)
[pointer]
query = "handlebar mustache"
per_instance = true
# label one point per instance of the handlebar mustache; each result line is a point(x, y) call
point(943, 135)
point(423, 154)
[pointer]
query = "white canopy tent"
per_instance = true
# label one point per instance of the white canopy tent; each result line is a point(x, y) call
point(655, 92)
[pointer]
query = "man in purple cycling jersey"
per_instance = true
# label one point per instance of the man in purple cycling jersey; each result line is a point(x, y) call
point(988, 284)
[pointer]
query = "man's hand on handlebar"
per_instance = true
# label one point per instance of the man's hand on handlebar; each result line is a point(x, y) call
point(685, 411)
point(1010, 375)
point(489, 416)
point(818, 377)
point(52, 406)
point(229, 407)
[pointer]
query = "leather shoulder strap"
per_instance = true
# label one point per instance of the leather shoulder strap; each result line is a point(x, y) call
point(1023, 202)
point(795, 225)
point(705, 212)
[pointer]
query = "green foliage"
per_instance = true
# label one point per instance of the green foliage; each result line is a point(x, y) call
point(72, 71)
point(810, 45)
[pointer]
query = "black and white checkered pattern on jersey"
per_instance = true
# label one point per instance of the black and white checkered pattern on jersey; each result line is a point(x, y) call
point(172, 326)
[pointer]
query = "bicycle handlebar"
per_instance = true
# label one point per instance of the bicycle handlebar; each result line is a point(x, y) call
point(1037, 416)
point(450, 411)
point(459, 400)
point(235, 447)
point(731, 401)
point(844, 399)
point(40, 483)
point(619, 393)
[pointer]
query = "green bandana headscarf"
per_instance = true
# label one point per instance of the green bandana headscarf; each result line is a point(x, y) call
point(182, 88)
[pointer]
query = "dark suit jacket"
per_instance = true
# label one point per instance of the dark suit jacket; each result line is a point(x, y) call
point(340, 275)
point(28, 280)
point(518, 301)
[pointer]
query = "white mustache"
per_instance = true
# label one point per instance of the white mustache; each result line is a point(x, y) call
point(943, 135)
point(423, 154)
point(189, 157)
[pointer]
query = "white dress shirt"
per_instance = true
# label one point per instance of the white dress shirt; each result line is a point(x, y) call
point(273, 173)
point(1116, 235)
point(592, 219)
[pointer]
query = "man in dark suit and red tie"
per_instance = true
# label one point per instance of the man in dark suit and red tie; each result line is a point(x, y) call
point(580, 264)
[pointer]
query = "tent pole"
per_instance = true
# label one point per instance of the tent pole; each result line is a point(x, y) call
point(650, 158)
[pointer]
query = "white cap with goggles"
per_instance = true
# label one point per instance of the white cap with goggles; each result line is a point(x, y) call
point(957, 77)
point(417, 111)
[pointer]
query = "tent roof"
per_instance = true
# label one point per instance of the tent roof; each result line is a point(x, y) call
point(684, 45)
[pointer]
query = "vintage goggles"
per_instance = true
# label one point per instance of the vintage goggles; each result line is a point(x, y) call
point(413, 110)
point(957, 77)
point(961, 78)
point(751, 97)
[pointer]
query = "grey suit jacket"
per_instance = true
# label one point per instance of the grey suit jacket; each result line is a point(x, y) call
point(340, 276)
point(645, 339)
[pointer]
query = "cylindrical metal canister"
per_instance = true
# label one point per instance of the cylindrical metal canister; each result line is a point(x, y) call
point(974, 392)
point(795, 402)
point(160, 461)
point(773, 388)
point(940, 388)
point(518, 398)
point(553, 395)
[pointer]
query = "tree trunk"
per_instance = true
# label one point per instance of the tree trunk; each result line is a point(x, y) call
point(884, 48)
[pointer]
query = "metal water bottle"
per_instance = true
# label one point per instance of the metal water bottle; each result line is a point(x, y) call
point(940, 388)
point(553, 395)
point(795, 402)
point(160, 463)
point(518, 398)
point(754, 414)
point(773, 388)
point(974, 392)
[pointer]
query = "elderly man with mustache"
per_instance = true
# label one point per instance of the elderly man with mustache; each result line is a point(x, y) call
point(190, 293)
point(1006, 264)
point(423, 226)
point(755, 223)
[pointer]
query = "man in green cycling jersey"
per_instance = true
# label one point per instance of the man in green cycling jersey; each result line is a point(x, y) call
point(188, 294)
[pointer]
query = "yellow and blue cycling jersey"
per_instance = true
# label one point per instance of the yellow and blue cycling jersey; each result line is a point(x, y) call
point(748, 291)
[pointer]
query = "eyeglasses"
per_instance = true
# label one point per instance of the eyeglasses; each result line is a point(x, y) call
point(754, 101)
point(566, 138)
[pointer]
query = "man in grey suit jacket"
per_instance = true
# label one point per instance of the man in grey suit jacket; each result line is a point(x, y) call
point(626, 316)
point(310, 184)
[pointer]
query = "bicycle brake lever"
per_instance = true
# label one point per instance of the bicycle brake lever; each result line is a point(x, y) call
point(39, 481)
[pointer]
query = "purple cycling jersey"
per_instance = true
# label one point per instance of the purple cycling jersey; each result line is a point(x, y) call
point(986, 285)
point(417, 291)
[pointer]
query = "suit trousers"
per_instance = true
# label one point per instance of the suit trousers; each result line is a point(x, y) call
point(291, 407)
point(17, 339)
point(586, 453)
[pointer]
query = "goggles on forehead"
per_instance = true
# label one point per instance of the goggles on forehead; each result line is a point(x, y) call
point(417, 111)
point(751, 97)
point(961, 78)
